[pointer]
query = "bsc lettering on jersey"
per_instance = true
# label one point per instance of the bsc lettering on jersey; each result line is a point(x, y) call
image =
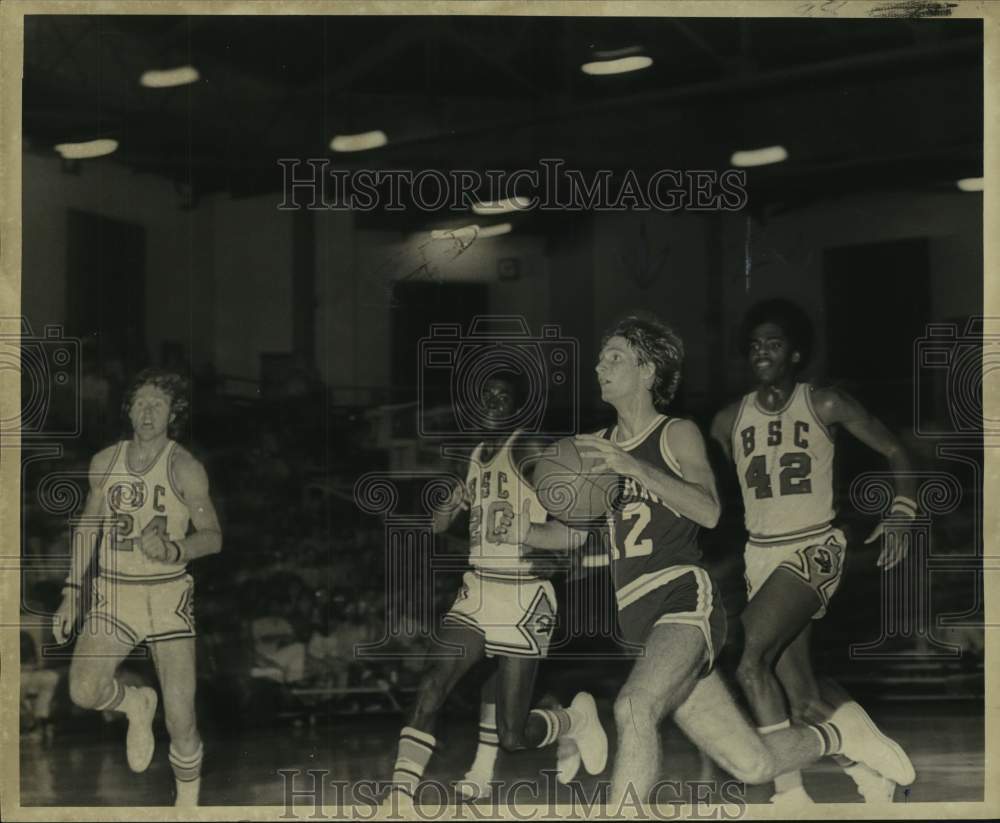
point(774, 436)
point(485, 486)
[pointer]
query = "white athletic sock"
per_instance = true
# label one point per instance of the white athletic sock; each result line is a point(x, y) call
point(124, 699)
point(789, 780)
point(187, 775)
point(415, 750)
point(489, 742)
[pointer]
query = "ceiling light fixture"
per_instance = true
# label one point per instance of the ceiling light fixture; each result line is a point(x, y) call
point(759, 157)
point(467, 234)
point(622, 65)
point(87, 150)
point(168, 78)
point(359, 142)
point(501, 206)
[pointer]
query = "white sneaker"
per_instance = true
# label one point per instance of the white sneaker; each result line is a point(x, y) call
point(474, 786)
point(139, 742)
point(871, 785)
point(792, 799)
point(567, 759)
point(589, 735)
point(862, 741)
point(187, 793)
point(395, 803)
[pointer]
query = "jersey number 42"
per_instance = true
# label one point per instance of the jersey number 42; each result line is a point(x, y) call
point(792, 479)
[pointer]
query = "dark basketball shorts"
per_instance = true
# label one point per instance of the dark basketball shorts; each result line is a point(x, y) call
point(685, 595)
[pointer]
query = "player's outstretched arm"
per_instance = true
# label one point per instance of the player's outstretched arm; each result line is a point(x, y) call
point(444, 516)
point(834, 405)
point(83, 542)
point(192, 483)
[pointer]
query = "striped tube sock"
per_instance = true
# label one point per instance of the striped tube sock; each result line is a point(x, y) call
point(830, 739)
point(557, 723)
point(415, 750)
point(187, 767)
point(789, 780)
point(486, 751)
point(122, 699)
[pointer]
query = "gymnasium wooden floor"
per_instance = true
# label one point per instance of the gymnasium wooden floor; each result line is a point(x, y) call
point(943, 738)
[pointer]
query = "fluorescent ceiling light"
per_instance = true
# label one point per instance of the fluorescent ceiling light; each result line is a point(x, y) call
point(88, 150)
point(619, 66)
point(169, 77)
point(501, 206)
point(359, 142)
point(970, 184)
point(497, 230)
point(467, 234)
point(759, 157)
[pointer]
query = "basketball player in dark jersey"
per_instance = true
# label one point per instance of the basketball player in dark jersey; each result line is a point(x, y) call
point(666, 600)
point(504, 609)
point(145, 493)
point(780, 438)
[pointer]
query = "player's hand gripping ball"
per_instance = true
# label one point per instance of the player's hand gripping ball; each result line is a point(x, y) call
point(577, 482)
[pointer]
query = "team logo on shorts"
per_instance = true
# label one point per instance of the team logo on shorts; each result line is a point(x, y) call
point(127, 495)
point(543, 624)
point(824, 559)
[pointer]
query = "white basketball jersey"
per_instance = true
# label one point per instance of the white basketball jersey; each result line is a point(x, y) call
point(784, 460)
point(496, 486)
point(133, 501)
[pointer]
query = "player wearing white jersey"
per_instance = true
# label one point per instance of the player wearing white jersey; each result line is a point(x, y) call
point(780, 437)
point(145, 495)
point(503, 610)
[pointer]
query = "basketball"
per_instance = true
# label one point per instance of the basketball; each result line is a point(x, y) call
point(570, 488)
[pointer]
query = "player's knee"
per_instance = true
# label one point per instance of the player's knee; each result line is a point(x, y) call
point(86, 690)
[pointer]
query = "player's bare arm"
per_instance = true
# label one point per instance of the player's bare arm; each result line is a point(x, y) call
point(694, 497)
point(83, 542)
point(835, 406)
point(553, 535)
point(192, 483)
point(722, 428)
point(445, 514)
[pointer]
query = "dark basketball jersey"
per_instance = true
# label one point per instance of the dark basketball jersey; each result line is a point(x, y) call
point(647, 536)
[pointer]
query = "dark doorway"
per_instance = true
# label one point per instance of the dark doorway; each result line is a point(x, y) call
point(417, 309)
point(877, 302)
point(106, 293)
